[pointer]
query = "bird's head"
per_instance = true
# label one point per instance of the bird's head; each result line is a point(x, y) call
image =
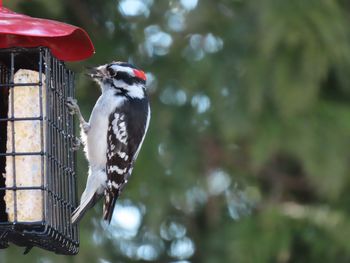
point(125, 78)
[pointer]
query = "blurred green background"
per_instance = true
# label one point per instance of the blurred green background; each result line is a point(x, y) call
point(247, 155)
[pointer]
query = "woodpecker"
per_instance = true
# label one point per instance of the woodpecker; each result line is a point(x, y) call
point(114, 135)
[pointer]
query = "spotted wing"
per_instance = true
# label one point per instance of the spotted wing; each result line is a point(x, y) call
point(124, 138)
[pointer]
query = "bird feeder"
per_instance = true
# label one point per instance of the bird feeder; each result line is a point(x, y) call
point(37, 161)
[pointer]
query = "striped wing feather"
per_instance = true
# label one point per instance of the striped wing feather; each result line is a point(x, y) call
point(125, 133)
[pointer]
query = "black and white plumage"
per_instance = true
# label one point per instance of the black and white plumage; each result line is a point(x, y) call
point(114, 134)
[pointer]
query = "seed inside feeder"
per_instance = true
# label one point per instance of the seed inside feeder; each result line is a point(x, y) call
point(28, 138)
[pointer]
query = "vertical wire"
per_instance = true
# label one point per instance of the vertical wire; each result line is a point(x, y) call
point(64, 151)
point(4, 80)
point(71, 153)
point(49, 133)
point(55, 138)
point(53, 124)
point(12, 71)
point(73, 158)
point(43, 151)
point(57, 108)
point(60, 174)
point(68, 150)
point(63, 170)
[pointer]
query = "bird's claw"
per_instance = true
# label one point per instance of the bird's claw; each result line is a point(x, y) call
point(76, 144)
point(72, 105)
point(85, 127)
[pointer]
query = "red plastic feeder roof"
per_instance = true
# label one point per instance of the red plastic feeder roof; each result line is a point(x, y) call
point(67, 42)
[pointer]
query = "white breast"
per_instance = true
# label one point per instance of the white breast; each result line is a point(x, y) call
point(96, 144)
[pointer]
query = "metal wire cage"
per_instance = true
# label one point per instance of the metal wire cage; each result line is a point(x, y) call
point(37, 161)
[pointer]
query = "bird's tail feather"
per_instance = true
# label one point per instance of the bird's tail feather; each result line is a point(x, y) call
point(108, 206)
point(88, 202)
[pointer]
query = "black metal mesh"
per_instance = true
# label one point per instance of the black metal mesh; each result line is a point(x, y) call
point(57, 160)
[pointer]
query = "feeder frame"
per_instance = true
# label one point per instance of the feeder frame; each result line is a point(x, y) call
point(58, 160)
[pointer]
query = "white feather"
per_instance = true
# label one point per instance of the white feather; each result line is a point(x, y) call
point(96, 146)
point(118, 68)
point(134, 91)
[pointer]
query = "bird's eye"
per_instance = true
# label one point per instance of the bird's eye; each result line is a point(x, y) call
point(111, 72)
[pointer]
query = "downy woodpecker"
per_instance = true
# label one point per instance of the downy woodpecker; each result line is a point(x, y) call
point(114, 134)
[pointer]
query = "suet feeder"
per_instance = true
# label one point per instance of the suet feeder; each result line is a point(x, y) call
point(37, 162)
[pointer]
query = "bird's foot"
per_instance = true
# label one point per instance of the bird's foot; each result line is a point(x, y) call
point(86, 127)
point(72, 105)
point(73, 108)
point(76, 144)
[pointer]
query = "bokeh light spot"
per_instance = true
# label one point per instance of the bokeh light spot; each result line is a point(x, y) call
point(133, 8)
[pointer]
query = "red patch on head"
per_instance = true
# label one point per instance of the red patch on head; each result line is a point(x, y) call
point(140, 74)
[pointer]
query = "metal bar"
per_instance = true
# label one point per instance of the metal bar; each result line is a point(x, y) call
point(14, 188)
point(66, 158)
point(54, 118)
point(57, 141)
point(59, 154)
point(74, 193)
point(58, 111)
point(73, 159)
point(21, 153)
point(61, 172)
point(42, 147)
point(64, 132)
point(21, 119)
point(48, 135)
point(43, 57)
point(18, 50)
point(22, 223)
point(60, 148)
point(19, 85)
point(63, 150)
point(12, 73)
point(66, 151)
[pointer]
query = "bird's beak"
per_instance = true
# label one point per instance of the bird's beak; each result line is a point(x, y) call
point(97, 72)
